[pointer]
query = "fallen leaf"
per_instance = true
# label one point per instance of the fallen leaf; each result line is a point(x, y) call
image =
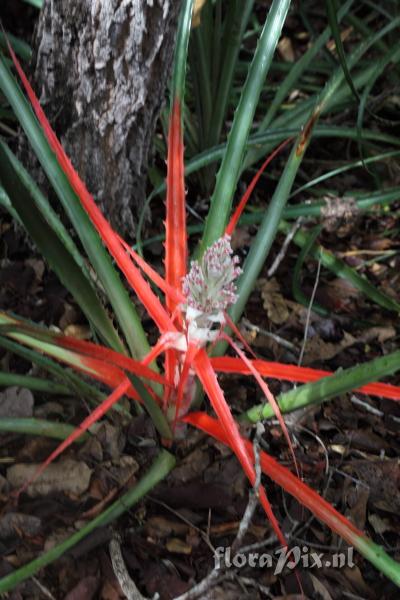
point(193, 464)
point(320, 589)
point(339, 214)
point(381, 334)
point(354, 576)
point(375, 243)
point(344, 34)
point(123, 469)
point(240, 238)
point(358, 501)
point(85, 590)
point(196, 495)
point(69, 316)
point(318, 350)
point(80, 332)
point(68, 476)
point(158, 527)
point(379, 525)
point(38, 267)
point(177, 546)
point(49, 409)
point(273, 301)
point(16, 402)
point(111, 590)
point(112, 440)
point(338, 295)
point(285, 49)
point(383, 479)
point(16, 524)
point(196, 18)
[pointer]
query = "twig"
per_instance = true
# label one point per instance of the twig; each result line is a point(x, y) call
point(199, 590)
point(128, 586)
point(282, 252)
point(307, 325)
point(321, 443)
point(43, 589)
point(272, 539)
point(246, 581)
point(253, 496)
point(368, 407)
point(218, 574)
point(277, 338)
point(204, 535)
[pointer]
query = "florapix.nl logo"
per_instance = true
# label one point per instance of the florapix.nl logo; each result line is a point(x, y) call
point(298, 556)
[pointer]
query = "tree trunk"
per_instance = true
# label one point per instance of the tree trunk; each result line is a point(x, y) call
point(101, 68)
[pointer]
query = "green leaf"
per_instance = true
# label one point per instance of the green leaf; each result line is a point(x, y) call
point(40, 427)
point(229, 172)
point(36, 3)
point(101, 261)
point(32, 383)
point(319, 391)
point(237, 16)
point(339, 267)
point(297, 70)
point(21, 48)
point(333, 23)
point(264, 239)
point(48, 233)
point(72, 381)
point(181, 50)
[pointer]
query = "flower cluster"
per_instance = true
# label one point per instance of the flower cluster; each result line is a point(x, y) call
point(210, 289)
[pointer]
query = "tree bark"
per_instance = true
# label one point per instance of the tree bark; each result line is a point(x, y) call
point(101, 69)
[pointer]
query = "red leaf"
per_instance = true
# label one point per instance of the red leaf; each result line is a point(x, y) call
point(82, 348)
point(175, 229)
point(176, 235)
point(242, 204)
point(267, 394)
point(94, 416)
point(110, 238)
point(276, 370)
point(230, 429)
point(173, 293)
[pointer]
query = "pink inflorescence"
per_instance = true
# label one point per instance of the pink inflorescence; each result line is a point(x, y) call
point(210, 286)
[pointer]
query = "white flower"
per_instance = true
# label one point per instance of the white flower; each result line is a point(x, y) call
point(210, 288)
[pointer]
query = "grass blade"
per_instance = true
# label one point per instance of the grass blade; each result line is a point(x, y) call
point(338, 383)
point(95, 368)
point(237, 17)
point(266, 234)
point(229, 172)
point(71, 380)
point(40, 427)
point(333, 23)
point(35, 384)
point(297, 70)
point(339, 267)
point(23, 49)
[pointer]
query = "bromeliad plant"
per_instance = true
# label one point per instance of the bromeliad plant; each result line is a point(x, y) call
point(193, 315)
